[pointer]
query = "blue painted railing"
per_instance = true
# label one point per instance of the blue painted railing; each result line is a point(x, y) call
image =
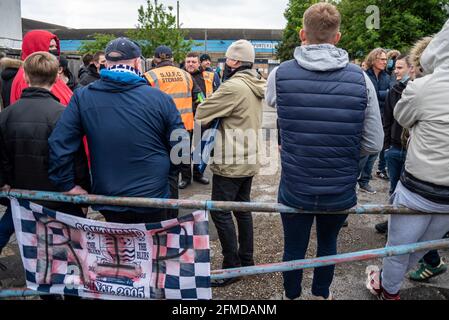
point(193, 204)
point(239, 206)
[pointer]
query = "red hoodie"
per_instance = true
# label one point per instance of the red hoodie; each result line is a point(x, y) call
point(34, 41)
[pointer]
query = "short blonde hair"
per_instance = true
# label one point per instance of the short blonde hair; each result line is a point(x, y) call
point(321, 22)
point(41, 68)
point(372, 56)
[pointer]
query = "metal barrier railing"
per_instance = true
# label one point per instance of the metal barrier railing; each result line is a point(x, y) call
point(240, 206)
point(195, 204)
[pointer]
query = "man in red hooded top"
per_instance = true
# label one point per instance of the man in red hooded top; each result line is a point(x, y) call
point(41, 40)
point(33, 41)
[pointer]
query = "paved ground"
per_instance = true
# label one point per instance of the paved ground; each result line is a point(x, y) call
point(349, 282)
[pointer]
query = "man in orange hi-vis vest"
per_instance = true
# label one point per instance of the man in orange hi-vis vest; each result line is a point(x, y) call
point(178, 84)
point(175, 82)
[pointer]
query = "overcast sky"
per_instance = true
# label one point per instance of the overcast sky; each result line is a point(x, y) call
point(254, 14)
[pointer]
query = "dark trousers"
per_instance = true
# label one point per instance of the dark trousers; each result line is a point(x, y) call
point(186, 168)
point(186, 172)
point(296, 241)
point(382, 166)
point(152, 216)
point(236, 252)
point(6, 228)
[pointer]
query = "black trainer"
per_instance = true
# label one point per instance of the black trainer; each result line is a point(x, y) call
point(202, 180)
point(382, 227)
point(382, 175)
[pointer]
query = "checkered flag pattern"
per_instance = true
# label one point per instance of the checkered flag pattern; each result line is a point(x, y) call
point(181, 259)
point(170, 260)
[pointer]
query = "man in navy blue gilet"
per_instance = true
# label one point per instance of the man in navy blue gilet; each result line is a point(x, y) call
point(328, 117)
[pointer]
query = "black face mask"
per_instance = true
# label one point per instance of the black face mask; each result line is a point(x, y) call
point(227, 73)
point(54, 52)
point(102, 67)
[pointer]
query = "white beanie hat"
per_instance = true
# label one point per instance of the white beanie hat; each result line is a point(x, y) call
point(241, 50)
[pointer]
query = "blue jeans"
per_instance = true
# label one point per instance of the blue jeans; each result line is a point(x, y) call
point(395, 159)
point(296, 240)
point(6, 228)
point(366, 165)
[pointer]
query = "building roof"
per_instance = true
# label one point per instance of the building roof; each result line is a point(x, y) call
point(28, 24)
point(65, 33)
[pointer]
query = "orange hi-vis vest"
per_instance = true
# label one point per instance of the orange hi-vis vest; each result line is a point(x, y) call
point(178, 84)
point(209, 81)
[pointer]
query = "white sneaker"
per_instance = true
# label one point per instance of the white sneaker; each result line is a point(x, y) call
point(373, 280)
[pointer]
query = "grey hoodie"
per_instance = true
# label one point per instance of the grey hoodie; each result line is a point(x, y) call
point(326, 57)
point(424, 109)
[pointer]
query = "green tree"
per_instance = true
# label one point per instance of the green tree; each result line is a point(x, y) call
point(99, 43)
point(290, 40)
point(402, 22)
point(157, 26)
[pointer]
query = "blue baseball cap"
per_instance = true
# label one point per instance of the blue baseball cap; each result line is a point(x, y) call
point(163, 52)
point(122, 49)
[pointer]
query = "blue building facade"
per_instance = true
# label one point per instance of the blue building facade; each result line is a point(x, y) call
point(212, 46)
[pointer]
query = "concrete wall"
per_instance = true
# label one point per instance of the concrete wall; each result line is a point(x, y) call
point(10, 24)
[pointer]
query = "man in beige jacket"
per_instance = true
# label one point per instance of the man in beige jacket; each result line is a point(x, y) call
point(238, 103)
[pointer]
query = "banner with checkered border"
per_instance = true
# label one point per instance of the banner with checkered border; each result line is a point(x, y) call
point(63, 254)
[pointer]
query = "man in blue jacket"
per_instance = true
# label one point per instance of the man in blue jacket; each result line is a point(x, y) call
point(376, 63)
point(128, 126)
point(328, 117)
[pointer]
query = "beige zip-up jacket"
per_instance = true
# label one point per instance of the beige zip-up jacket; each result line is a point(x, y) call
point(238, 102)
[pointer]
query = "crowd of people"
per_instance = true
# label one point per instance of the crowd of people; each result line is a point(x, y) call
point(115, 130)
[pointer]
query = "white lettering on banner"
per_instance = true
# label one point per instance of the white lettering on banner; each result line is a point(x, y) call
point(97, 229)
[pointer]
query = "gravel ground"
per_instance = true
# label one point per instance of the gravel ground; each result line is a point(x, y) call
point(349, 281)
